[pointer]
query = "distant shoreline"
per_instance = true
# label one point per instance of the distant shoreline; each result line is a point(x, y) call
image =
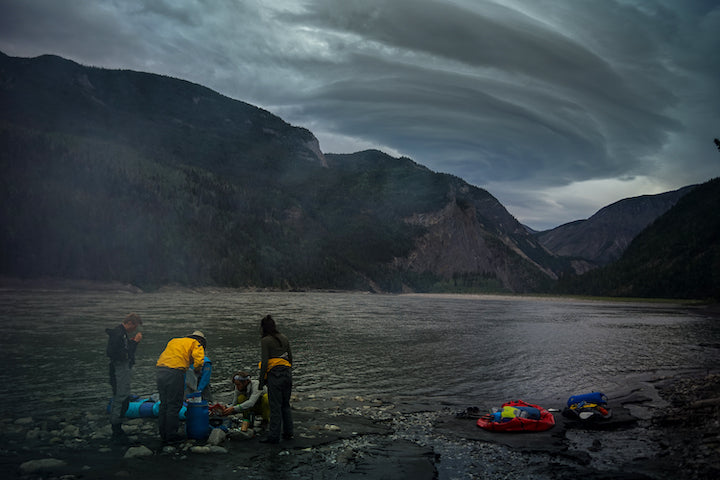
point(554, 298)
point(59, 284)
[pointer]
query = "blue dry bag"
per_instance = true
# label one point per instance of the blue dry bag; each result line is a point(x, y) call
point(593, 397)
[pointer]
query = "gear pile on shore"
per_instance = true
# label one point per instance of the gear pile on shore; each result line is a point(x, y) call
point(341, 436)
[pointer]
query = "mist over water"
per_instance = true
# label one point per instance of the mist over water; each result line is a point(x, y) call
point(438, 350)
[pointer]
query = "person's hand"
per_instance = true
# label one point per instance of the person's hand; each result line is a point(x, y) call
point(137, 337)
point(228, 411)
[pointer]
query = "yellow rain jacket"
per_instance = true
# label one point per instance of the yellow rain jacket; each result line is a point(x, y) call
point(180, 353)
point(274, 362)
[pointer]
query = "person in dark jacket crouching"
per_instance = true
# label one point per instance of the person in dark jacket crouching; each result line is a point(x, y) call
point(121, 351)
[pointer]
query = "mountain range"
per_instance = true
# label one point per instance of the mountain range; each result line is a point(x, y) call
point(676, 256)
point(603, 238)
point(144, 179)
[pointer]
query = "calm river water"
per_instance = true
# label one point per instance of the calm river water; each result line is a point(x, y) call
point(439, 350)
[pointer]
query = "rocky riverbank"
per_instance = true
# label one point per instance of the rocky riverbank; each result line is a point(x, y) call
point(662, 428)
point(688, 430)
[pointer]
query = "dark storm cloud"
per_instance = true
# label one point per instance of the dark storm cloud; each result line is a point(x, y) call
point(556, 107)
point(524, 98)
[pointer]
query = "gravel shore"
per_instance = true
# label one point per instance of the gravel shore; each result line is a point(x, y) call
point(688, 430)
point(662, 428)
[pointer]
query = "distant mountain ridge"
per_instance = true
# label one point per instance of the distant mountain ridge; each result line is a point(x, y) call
point(156, 113)
point(677, 256)
point(604, 236)
point(147, 180)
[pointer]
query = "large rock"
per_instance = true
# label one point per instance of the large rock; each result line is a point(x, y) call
point(217, 436)
point(141, 451)
point(41, 465)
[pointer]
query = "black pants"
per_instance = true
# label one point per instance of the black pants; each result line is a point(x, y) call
point(120, 382)
point(171, 387)
point(279, 383)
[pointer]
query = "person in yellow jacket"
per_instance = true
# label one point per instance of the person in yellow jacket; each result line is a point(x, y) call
point(174, 361)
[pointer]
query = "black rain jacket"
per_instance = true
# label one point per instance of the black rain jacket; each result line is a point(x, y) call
point(119, 347)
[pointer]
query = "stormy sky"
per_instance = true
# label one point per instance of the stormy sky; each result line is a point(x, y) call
point(557, 107)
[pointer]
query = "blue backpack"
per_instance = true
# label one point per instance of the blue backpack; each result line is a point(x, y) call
point(593, 397)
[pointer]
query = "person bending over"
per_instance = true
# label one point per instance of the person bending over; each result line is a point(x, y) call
point(172, 365)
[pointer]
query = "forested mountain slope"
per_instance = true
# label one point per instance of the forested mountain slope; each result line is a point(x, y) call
point(677, 256)
point(144, 179)
point(603, 237)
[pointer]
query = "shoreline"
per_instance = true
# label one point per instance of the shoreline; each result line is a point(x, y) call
point(60, 284)
point(662, 428)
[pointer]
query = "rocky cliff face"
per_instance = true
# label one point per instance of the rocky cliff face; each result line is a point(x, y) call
point(454, 243)
point(463, 237)
point(476, 237)
point(603, 237)
point(312, 145)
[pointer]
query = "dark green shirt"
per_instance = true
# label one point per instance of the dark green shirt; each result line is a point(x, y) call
point(273, 346)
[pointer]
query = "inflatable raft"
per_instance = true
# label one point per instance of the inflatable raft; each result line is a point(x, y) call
point(517, 416)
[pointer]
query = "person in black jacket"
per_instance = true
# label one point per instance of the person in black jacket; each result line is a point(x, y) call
point(121, 351)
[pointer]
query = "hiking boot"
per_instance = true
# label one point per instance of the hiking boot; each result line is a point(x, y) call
point(173, 439)
point(119, 437)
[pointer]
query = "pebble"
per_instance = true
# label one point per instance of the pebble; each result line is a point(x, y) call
point(217, 436)
point(141, 451)
point(41, 465)
point(71, 431)
point(307, 409)
point(346, 456)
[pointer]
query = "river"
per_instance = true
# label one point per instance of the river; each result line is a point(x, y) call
point(428, 349)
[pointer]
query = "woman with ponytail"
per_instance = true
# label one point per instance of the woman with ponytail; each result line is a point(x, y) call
point(276, 373)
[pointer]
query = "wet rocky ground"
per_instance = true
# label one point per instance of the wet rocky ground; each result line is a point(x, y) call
point(661, 428)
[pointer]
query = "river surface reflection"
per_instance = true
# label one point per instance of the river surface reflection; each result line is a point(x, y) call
point(439, 350)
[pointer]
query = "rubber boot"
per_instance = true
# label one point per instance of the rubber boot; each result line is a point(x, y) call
point(118, 434)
